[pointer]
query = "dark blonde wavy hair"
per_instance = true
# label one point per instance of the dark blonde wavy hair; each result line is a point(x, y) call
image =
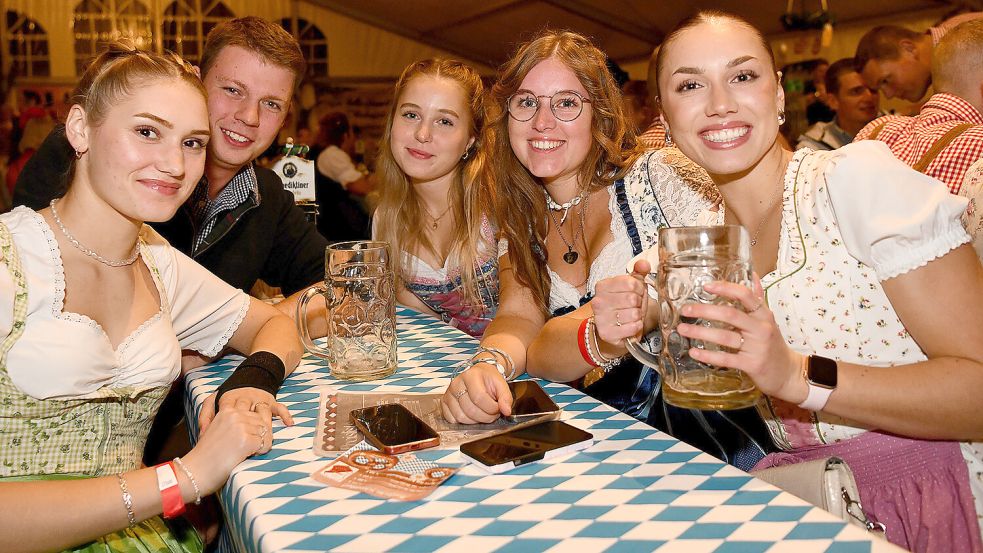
point(516, 195)
point(398, 218)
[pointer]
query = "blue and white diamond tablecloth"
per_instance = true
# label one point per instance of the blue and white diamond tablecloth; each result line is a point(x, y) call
point(634, 490)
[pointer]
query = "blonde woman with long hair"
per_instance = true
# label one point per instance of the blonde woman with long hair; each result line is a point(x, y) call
point(428, 168)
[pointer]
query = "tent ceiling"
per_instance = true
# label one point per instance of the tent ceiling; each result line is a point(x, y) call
point(627, 30)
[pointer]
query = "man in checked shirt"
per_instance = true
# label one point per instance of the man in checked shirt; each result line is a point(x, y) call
point(946, 136)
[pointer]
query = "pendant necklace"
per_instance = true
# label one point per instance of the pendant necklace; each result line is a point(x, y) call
point(564, 207)
point(78, 245)
point(436, 219)
point(766, 216)
point(571, 256)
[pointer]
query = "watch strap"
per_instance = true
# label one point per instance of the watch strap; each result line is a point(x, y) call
point(818, 395)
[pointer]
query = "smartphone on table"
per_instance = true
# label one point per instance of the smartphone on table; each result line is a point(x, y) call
point(530, 401)
point(394, 429)
point(501, 452)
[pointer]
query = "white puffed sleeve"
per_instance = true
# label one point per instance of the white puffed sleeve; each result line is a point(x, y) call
point(205, 311)
point(890, 216)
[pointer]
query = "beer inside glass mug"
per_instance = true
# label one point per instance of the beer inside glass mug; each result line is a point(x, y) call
point(359, 289)
point(690, 258)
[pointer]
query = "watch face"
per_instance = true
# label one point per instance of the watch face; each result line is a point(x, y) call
point(822, 371)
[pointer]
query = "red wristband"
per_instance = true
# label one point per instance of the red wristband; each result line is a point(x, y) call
point(582, 343)
point(170, 491)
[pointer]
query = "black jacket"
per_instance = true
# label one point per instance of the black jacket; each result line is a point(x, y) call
point(271, 240)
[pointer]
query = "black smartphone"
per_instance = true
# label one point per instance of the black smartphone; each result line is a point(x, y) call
point(394, 429)
point(523, 445)
point(530, 401)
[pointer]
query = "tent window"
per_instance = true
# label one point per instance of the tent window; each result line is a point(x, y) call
point(186, 23)
point(97, 22)
point(313, 44)
point(28, 46)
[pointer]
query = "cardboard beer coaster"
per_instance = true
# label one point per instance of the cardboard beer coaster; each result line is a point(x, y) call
point(364, 469)
point(335, 432)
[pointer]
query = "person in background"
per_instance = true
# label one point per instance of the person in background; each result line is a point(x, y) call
point(35, 131)
point(855, 106)
point(337, 139)
point(898, 61)
point(337, 182)
point(429, 168)
point(863, 331)
point(638, 105)
point(946, 136)
point(575, 199)
point(815, 92)
point(239, 222)
point(98, 309)
point(654, 136)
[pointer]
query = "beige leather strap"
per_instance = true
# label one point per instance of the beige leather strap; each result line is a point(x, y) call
point(939, 145)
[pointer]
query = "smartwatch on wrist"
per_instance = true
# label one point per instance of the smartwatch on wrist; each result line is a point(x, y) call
point(820, 373)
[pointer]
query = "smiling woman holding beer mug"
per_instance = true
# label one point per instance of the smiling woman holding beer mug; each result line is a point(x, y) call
point(865, 330)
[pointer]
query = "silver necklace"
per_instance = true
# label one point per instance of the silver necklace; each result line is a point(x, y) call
point(765, 217)
point(571, 256)
point(78, 245)
point(564, 207)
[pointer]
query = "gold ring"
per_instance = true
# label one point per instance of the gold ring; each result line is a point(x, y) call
point(757, 307)
point(617, 318)
point(262, 432)
point(739, 347)
point(256, 405)
point(459, 395)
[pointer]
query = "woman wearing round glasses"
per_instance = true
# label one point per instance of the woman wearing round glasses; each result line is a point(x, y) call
point(574, 201)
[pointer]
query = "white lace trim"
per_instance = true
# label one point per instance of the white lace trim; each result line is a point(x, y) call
point(928, 251)
point(609, 261)
point(58, 282)
point(227, 335)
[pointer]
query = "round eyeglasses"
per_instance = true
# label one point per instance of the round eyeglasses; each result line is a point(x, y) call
point(566, 105)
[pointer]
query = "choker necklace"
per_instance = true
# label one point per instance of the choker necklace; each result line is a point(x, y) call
point(564, 207)
point(432, 218)
point(87, 251)
point(571, 256)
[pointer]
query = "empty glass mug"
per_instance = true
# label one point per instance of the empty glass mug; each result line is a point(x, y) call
point(359, 290)
point(690, 258)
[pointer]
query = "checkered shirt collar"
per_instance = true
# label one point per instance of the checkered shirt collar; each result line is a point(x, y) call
point(963, 110)
point(206, 212)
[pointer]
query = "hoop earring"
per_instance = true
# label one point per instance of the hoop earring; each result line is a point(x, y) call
point(781, 118)
point(466, 154)
point(668, 138)
point(78, 154)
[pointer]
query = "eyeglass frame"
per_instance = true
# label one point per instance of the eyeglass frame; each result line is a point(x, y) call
point(508, 104)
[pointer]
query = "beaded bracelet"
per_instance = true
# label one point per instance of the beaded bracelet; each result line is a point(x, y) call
point(127, 501)
point(599, 360)
point(187, 472)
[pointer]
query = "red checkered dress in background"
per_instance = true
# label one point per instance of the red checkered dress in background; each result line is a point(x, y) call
point(911, 137)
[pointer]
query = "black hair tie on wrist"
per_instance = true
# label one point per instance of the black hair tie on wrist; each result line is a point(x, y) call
point(261, 370)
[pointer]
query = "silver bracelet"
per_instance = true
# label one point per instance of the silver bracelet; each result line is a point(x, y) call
point(492, 361)
point(600, 360)
point(194, 484)
point(506, 357)
point(127, 500)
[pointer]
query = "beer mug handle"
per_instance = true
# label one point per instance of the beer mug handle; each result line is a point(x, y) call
point(635, 348)
point(305, 335)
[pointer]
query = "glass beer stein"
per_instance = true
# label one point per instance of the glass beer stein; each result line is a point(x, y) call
point(359, 290)
point(689, 258)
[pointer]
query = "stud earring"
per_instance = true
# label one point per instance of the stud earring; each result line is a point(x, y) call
point(668, 137)
point(781, 118)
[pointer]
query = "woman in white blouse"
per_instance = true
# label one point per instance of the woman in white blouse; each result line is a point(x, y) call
point(95, 308)
point(866, 274)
